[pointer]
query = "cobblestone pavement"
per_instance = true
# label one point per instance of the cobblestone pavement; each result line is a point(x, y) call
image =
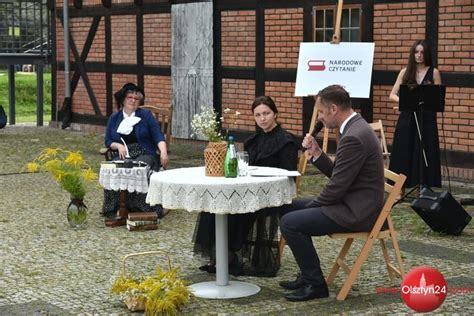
point(47, 268)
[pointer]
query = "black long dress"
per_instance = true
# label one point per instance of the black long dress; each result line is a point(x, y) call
point(405, 155)
point(251, 235)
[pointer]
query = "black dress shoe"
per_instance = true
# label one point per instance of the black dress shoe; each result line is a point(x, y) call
point(308, 292)
point(293, 285)
point(208, 268)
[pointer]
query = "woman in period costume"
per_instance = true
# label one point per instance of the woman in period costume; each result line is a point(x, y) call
point(252, 235)
point(133, 133)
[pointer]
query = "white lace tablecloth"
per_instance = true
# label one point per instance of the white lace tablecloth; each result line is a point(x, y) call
point(130, 179)
point(190, 189)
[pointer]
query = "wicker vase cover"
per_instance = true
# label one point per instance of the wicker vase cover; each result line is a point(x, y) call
point(214, 156)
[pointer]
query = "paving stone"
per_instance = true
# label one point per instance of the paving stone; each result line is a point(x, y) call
point(48, 267)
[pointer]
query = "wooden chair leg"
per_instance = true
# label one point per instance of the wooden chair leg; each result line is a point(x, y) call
point(340, 258)
point(396, 247)
point(364, 253)
point(387, 260)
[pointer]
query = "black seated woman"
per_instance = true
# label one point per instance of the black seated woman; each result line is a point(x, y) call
point(133, 133)
point(252, 235)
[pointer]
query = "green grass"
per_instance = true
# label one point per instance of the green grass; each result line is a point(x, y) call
point(25, 96)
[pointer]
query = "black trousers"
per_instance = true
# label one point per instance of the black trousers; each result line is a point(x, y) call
point(300, 220)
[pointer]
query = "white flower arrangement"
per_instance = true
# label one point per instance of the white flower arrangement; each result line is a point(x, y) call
point(205, 124)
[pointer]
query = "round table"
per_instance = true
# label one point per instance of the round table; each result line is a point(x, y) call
point(191, 190)
point(124, 179)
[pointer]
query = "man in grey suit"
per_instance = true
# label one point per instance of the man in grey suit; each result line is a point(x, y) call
point(351, 200)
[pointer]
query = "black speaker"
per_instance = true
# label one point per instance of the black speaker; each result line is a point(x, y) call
point(441, 211)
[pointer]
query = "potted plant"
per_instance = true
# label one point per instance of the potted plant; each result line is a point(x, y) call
point(71, 171)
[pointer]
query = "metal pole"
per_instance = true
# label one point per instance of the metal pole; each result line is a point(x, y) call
point(11, 93)
point(39, 94)
point(67, 83)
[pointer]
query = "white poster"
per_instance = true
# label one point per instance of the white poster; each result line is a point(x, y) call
point(324, 64)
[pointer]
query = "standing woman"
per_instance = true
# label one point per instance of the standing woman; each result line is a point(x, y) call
point(251, 235)
point(405, 156)
point(135, 133)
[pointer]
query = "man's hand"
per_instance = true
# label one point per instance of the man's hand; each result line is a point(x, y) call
point(311, 145)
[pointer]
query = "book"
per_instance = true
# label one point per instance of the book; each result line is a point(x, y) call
point(116, 221)
point(140, 223)
point(142, 227)
point(143, 216)
point(272, 172)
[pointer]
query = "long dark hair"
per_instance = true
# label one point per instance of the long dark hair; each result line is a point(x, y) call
point(410, 73)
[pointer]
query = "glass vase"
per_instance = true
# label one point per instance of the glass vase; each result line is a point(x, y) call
point(77, 213)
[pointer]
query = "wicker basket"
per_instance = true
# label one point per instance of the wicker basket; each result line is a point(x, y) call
point(138, 303)
point(214, 156)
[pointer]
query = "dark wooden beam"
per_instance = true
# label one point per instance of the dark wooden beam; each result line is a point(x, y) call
point(217, 62)
point(140, 54)
point(85, 78)
point(431, 27)
point(109, 106)
point(260, 51)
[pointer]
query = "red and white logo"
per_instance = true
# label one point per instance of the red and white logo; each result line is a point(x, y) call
point(424, 289)
point(316, 65)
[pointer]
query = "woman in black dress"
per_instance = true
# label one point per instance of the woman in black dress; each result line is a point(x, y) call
point(252, 235)
point(406, 154)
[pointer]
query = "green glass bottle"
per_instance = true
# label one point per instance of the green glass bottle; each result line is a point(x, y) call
point(230, 162)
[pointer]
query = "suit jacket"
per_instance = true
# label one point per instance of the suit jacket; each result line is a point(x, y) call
point(353, 197)
point(148, 130)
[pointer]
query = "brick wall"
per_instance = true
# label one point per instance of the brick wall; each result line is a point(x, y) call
point(290, 108)
point(157, 39)
point(283, 34)
point(238, 95)
point(158, 91)
point(396, 27)
point(124, 39)
point(97, 50)
point(456, 36)
point(238, 38)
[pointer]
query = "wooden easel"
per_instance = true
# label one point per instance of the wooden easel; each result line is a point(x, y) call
point(336, 39)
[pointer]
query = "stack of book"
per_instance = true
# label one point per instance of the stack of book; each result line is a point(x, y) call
point(140, 221)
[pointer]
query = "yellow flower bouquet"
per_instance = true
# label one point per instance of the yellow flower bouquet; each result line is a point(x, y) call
point(71, 172)
point(68, 168)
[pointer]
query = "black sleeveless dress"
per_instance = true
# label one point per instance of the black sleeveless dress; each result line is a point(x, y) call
point(405, 154)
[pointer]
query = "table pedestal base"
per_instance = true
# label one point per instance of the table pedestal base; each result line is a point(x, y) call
point(235, 289)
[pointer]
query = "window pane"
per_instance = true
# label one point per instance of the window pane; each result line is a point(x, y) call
point(329, 18)
point(345, 18)
point(355, 16)
point(320, 36)
point(355, 37)
point(345, 35)
point(319, 19)
point(329, 33)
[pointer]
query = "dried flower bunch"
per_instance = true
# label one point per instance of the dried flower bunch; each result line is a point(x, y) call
point(68, 168)
point(163, 293)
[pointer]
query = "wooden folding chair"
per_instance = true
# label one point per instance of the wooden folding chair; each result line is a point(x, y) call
point(370, 237)
point(378, 128)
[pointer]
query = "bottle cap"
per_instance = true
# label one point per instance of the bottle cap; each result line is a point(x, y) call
point(231, 138)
